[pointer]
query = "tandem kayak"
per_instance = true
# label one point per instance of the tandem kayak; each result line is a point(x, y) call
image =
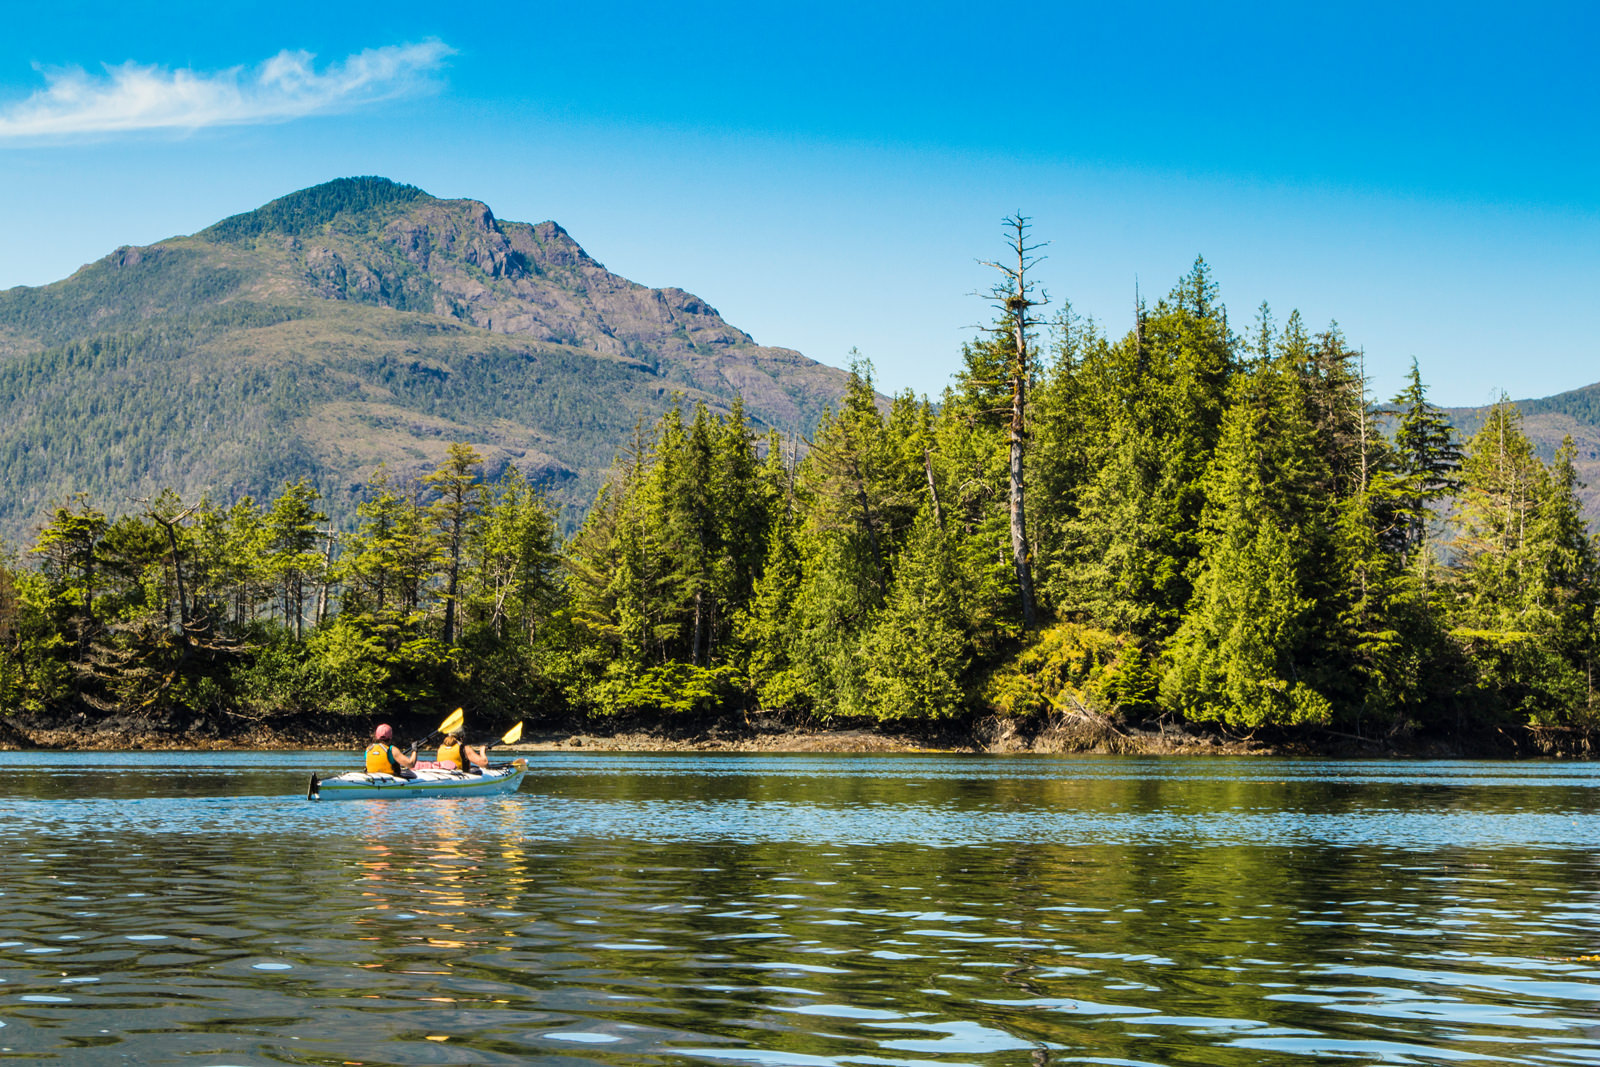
point(361, 785)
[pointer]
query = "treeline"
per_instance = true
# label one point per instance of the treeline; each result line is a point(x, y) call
point(1181, 523)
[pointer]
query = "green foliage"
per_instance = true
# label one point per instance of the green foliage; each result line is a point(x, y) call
point(1524, 581)
point(916, 651)
point(1240, 650)
point(673, 688)
point(341, 669)
point(763, 627)
point(1581, 405)
point(1127, 550)
point(121, 293)
point(1072, 667)
point(308, 209)
point(1219, 532)
point(1428, 459)
point(35, 670)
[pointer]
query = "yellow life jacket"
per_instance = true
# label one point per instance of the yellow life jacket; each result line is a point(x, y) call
point(454, 755)
point(379, 760)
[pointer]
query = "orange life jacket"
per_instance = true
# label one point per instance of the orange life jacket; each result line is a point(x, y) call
point(454, 755)
point(379, 761)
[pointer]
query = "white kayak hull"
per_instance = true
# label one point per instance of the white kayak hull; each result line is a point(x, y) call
point(360, 785)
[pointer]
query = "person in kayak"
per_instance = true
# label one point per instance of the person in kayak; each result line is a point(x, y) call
point(382, 758)
point(455, 756)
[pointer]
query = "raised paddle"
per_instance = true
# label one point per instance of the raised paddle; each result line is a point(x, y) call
point(452, 724)
point(511, 737)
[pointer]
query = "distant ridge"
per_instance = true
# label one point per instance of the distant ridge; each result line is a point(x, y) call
point(1547, 421)
point(353, 323)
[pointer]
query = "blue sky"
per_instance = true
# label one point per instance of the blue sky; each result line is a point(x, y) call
point(829, 177)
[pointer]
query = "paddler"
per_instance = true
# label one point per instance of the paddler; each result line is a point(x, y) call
point(453, 755)
point(382, 758)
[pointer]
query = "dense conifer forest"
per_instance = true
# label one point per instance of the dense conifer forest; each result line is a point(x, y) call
point(1189, 523)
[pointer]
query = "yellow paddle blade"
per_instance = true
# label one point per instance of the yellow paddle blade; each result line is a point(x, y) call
point(453, 723)
point(513, 735)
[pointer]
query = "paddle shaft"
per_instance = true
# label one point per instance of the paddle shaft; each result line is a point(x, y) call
point(452, 723)
point(509, 737)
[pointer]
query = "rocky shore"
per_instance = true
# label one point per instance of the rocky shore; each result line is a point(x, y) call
point(1083, 734)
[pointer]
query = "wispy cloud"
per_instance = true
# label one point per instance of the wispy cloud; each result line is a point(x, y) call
point(133, 97)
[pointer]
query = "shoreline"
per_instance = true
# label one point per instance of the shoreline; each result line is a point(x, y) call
point(735, 734)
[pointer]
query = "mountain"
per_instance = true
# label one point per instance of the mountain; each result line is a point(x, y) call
point(355, 323)
point(1547, 421)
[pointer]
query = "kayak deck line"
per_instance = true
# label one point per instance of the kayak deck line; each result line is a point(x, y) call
point(360, 785)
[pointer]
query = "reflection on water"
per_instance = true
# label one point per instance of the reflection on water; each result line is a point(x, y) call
point(803, 910)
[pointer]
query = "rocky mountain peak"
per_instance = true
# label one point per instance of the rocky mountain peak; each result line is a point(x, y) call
point(358, 322)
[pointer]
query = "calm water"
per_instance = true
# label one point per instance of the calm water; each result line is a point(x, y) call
point(821, 910)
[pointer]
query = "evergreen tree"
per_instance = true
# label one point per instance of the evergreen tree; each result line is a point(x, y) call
point(291, 527)
point(610, 579)
point(1336, 406)
point(967, 470)
point(515, 558)
point(1241, 651)
point(764, 627)
point(1072, 416)
point(916, 651)
point(1015, 296)
point(1502, 484)
point(1516, 558)
point(740, 509)
point(1427, 460)
point(387, 563)
point(685, 497)
point(859, 497)
point(69, 546)
point(1132, 547)
point(242, 562)
point(1564, 595)
point(458, 500)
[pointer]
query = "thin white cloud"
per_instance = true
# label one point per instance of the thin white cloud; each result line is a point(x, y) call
point(133, 97)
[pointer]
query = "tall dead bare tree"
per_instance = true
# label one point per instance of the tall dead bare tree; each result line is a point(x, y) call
point(1014, 297)
point(170, 523)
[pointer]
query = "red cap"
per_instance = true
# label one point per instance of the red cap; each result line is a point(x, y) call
point(383, 733)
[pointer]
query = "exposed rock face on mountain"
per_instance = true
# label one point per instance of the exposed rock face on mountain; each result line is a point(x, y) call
point(350, 324)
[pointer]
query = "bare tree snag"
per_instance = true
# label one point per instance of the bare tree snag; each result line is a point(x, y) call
point(327, 569)
point(171, 526)
point(1014, 298)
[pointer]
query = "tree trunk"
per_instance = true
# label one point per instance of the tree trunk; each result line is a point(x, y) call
point(699, 627)
point(322, 589)
point(1014, 299)
point(450, 602)
point(1019, 532)
point(1019, 399)
point(171, 526)
point(933, 491)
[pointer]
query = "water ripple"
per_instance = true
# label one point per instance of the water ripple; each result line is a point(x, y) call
point(823, 910)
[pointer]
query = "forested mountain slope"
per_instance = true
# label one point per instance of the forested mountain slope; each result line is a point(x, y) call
point(1547, 421)
point(352, 323)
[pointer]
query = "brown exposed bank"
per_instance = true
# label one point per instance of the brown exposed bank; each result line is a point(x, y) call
point(1059, 735)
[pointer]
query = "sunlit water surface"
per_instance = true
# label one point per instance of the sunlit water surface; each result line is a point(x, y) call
point(766, 910)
